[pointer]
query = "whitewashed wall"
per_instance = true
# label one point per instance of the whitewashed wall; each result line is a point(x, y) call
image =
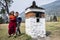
point(35, 29)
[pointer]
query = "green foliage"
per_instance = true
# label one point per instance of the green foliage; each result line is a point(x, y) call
point(9, 2)
point(5, 4)
point(2, 10)
point(1, 20)
point(55, 18)
point(4, 1)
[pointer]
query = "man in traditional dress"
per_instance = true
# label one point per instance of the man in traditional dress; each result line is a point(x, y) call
point(18, 20)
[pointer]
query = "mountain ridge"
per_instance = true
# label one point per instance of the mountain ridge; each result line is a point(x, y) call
point(53, 8)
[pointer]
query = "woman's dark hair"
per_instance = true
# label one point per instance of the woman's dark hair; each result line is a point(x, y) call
point(17, 12)
point(11, 13)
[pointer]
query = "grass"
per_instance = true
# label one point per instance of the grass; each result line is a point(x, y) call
point(58, 18)
point(52, 27)
point(4, 33)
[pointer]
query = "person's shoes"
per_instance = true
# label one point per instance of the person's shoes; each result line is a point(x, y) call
point(13, 34)
point(19, 34)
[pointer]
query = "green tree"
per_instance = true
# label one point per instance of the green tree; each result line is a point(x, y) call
point(2, 10)
point(55, 18)
point(1, 20)
point(5, 4)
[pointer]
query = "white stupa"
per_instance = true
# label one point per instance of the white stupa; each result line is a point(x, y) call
point(35, 21)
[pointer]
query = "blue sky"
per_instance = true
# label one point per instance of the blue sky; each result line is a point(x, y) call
point(21, 5)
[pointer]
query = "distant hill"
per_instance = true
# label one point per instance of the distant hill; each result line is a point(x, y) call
point(53, 8)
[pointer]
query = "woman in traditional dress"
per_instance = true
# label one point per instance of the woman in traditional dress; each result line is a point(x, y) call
point(12, 24)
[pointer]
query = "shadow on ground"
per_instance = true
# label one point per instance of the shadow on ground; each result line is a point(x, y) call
point(48, 33)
